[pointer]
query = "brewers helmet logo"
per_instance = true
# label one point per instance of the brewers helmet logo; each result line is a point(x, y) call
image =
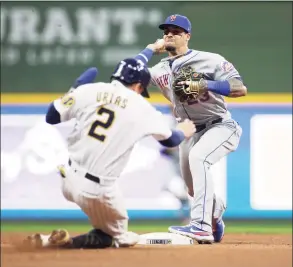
point(173, 17)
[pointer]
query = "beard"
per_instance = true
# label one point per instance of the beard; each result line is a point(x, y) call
point(170, 48)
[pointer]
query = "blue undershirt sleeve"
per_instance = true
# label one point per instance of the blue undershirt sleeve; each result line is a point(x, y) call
point(52, 116)
point(145, 55)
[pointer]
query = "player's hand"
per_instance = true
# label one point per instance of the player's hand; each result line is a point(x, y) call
point(187, 127)
point(199, 85)
point(158, 47)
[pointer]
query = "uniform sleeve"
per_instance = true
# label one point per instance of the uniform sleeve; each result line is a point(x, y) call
point(164, 90)
point(224, 69)
point(161, 129)
point(154, 122)
point(66, 106)
point(153, 79)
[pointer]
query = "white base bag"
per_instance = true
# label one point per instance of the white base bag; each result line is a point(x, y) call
point(162, 238)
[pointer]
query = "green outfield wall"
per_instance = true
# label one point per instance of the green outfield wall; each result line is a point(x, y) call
point(45, 45)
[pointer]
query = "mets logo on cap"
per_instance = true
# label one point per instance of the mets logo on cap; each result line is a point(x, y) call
point(173, 17)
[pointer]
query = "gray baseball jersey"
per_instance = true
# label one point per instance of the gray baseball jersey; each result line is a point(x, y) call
point(209, 106)
point(206, 147)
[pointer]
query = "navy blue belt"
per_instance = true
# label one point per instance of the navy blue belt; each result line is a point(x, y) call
point(88, 175)
point(201, 127)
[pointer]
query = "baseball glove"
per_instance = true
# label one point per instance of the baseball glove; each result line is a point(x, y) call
point(188, 92)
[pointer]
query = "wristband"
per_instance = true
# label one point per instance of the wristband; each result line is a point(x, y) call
point(219, 87)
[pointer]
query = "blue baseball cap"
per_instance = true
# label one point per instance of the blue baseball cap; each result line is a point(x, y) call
point(177, 20)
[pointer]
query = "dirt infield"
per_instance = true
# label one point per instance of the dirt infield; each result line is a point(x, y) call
point(244, 250)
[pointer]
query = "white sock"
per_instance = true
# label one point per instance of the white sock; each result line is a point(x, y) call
point(45, 240)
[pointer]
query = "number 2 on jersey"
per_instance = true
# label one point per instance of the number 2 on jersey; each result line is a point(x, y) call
point(93, 130)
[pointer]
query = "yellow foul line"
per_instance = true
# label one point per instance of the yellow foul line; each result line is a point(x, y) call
point(39, 98)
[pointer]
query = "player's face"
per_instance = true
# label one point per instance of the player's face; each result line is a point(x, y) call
point(137, 87)
point(141, 89)
point(175, 38)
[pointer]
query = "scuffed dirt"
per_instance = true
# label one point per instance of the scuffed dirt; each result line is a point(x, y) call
point(236, 250)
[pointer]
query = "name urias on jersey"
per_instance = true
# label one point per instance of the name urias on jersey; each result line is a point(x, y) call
point(111, 98)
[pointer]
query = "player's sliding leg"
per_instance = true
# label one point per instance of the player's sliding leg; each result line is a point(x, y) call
point(106, 210)
point(92, 240)
point(108, 213)
point(61, 238)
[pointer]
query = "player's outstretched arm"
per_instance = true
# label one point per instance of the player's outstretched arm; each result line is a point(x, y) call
point(88, 76)
point(183, 130)
point(145, 55)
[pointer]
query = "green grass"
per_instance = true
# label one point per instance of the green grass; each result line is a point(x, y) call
point(265, 227)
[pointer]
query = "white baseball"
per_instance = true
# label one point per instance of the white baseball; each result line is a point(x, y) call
point(160, 42)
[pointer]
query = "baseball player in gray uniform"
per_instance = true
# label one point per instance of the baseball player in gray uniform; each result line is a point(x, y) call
point(202, 101)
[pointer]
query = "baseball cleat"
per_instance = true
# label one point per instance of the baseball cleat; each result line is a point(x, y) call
point(32, 242)
point(201, 236)
point(218, 230)
point(59, 237)
point(128, 239)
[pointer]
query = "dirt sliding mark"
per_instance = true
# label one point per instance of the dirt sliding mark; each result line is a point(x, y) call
point(241, 250)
